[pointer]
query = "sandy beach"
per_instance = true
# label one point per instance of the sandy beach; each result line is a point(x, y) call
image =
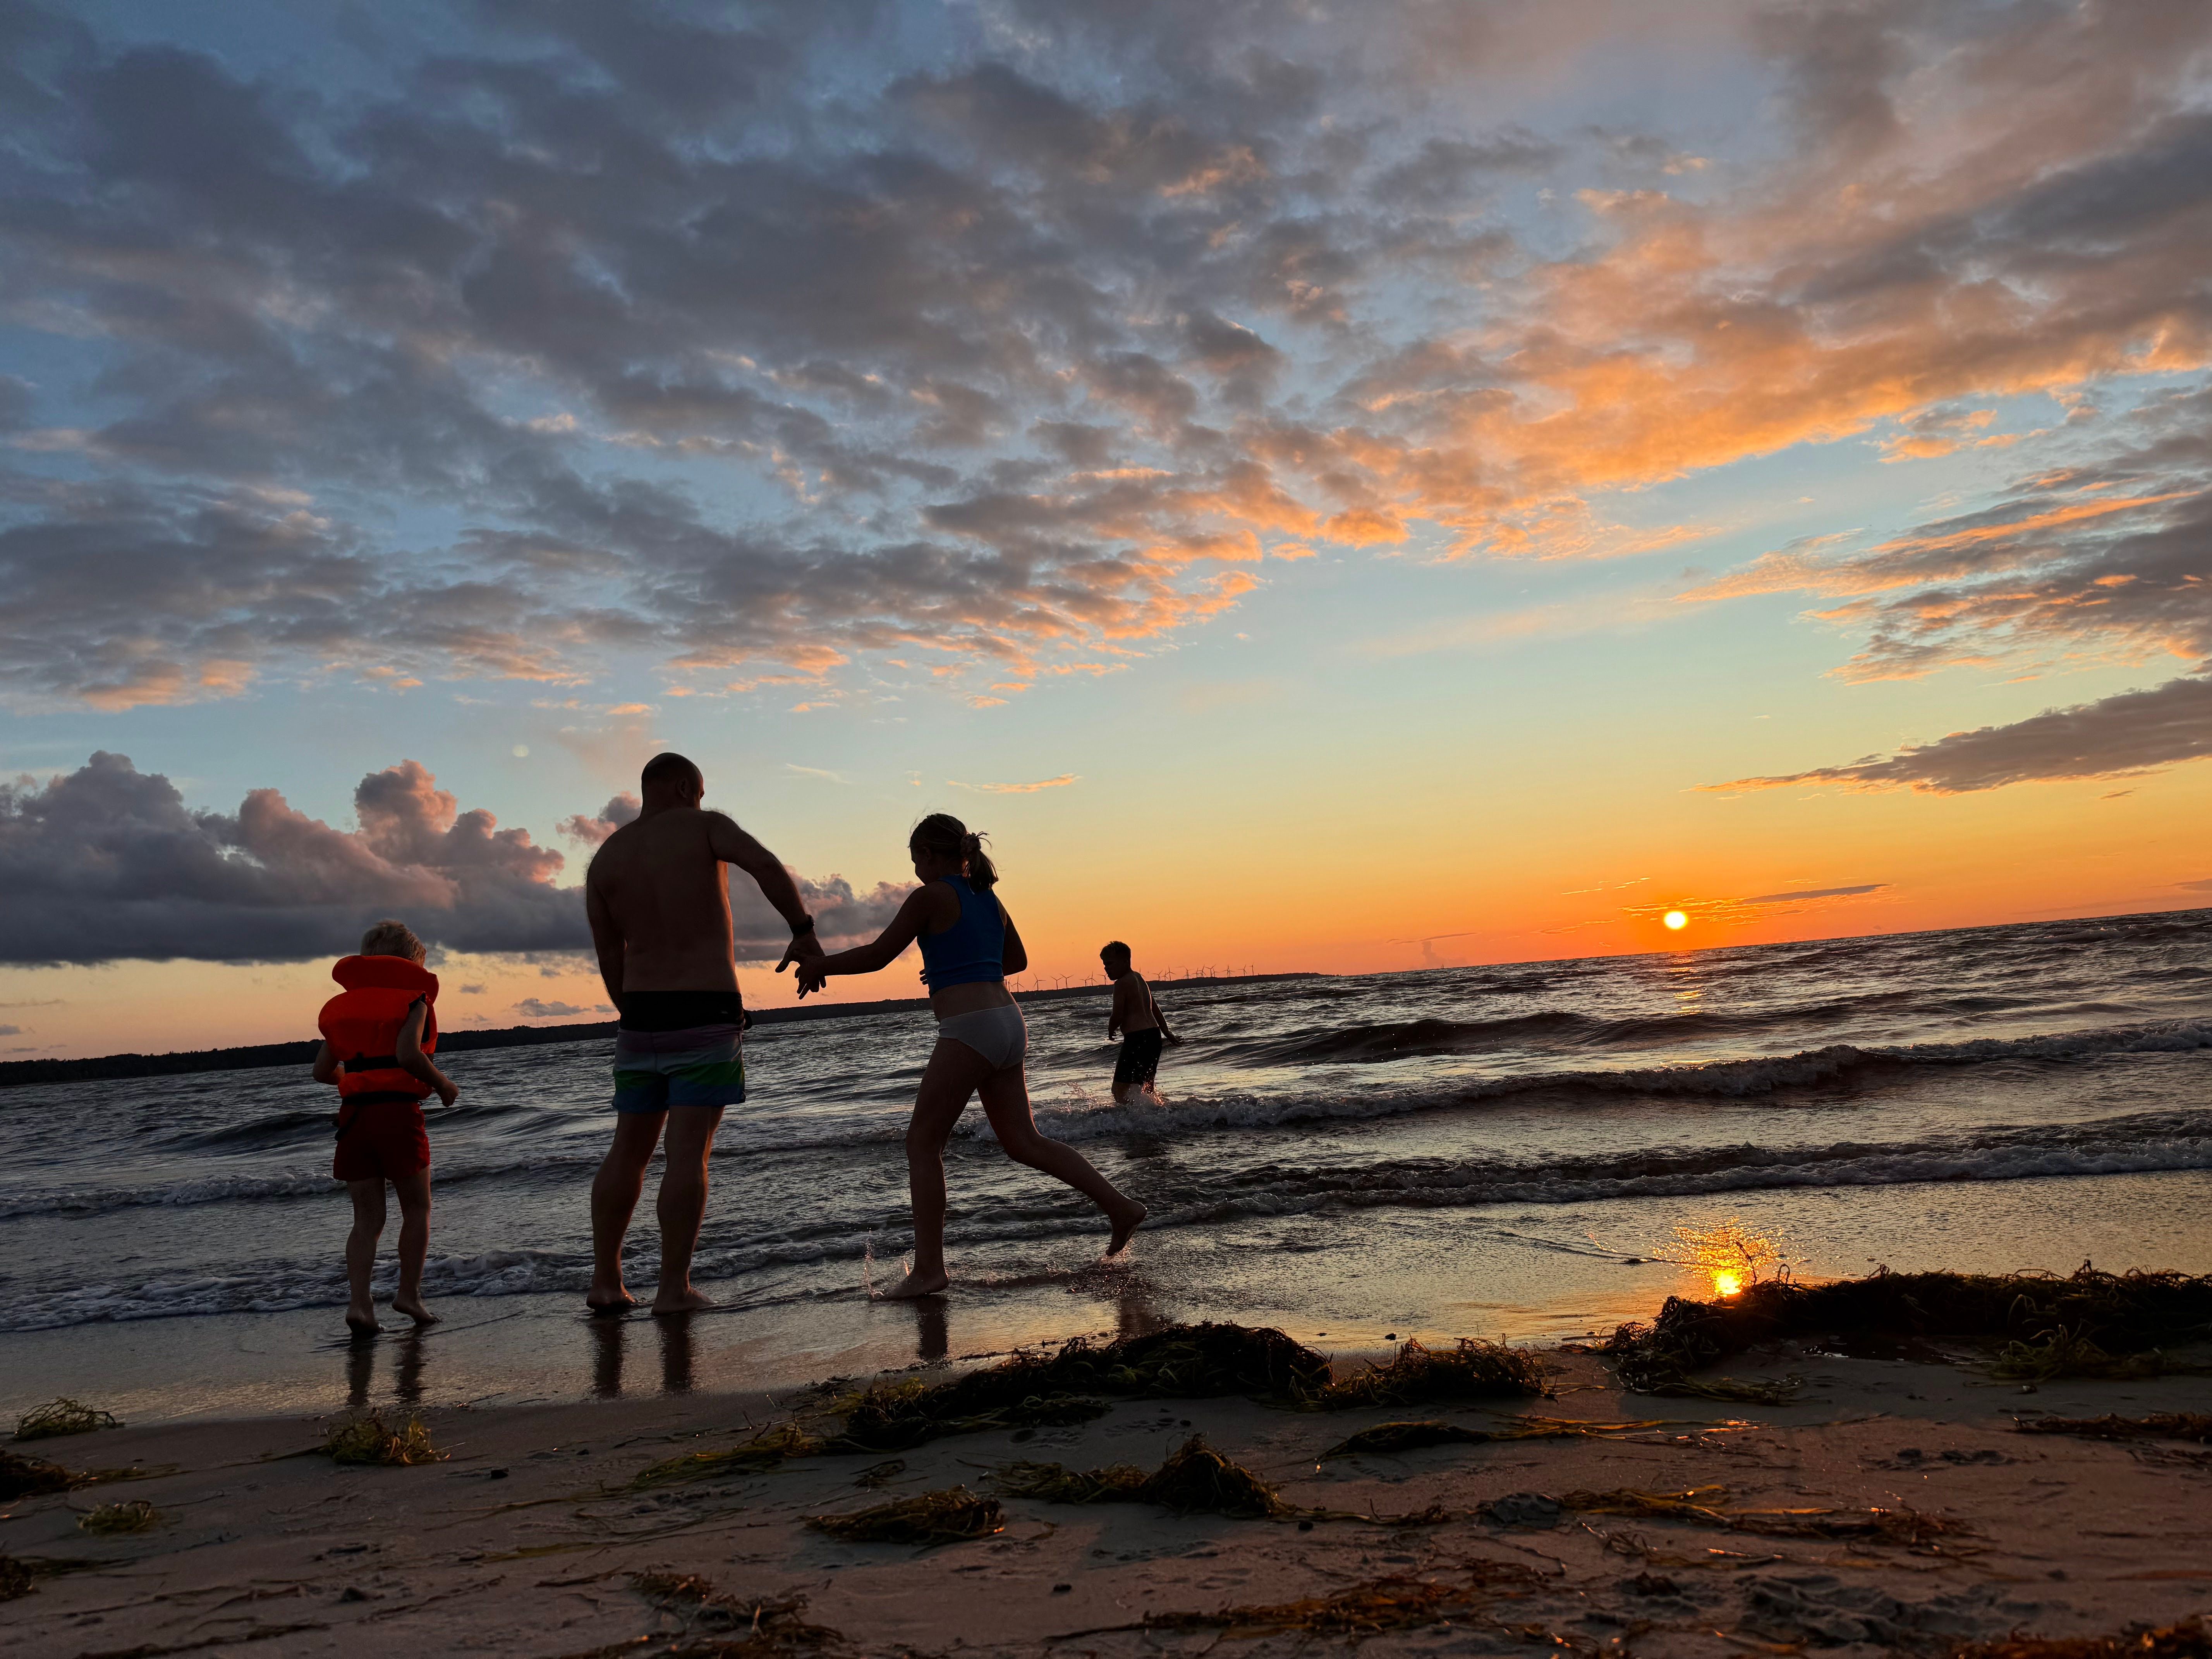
point(533, 1534)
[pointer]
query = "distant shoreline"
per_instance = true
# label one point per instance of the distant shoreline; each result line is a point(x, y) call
point(17, 1073)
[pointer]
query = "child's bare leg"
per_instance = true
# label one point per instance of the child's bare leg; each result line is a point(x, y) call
point(360, 1252)
point(414, 1245)
point(1006, 1103)
point(950, 1077)
point(682, 1204)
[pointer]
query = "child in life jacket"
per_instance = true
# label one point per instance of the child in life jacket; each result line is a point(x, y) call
point(378, 1036)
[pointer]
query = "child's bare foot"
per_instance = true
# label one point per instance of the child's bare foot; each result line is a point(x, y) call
point(1125, 1222)
point(686, 1300)
point(361, 1321)
point(413, 1307)
point(608, 1299)
point(919, 1284)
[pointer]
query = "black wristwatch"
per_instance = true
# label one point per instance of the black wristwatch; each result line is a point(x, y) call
point(804, 926)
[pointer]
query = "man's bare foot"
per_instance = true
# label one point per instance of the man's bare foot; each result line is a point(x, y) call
point(609, 1299)
point(918, 1284)
point(413, 1307)
point(1126, 1223)
point(361, 1321)
point(686, 1300)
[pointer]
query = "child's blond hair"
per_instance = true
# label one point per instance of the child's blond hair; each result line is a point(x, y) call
point(393, 938)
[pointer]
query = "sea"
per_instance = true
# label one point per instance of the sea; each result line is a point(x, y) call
point(1535, 1152)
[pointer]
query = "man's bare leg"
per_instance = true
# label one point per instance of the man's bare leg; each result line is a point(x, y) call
point(947, 1081)
point(360, 1254)
point(1006, 1103)
point(682, 1205)
point(414, 1245)
point(615, 1193)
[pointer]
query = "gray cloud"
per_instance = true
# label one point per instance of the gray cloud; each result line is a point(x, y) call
point(108, 863)
point(1816, 893)
point(2134, 731)
point(621, 810)
point(537, 1008)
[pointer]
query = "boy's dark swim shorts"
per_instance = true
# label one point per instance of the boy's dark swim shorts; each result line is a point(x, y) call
point(382, 1140)
point(1140, 1057)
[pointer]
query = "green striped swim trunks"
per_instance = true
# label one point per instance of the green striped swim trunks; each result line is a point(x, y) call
point(701, 1065)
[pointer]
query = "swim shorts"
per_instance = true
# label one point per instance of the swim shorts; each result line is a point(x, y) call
point(1140, 1057)
point(380, 1140)
point(659, 1064)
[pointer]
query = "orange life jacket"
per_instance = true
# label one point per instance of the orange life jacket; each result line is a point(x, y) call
point(361, 1024)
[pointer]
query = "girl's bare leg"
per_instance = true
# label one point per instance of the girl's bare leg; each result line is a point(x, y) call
point(360, 1252)
point(947, 1081)
point(414, 1245)
point(1006, 1103)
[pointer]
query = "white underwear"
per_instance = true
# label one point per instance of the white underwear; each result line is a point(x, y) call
point(998, 1034)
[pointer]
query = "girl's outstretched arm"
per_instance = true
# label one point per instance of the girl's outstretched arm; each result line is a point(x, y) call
point(906, 926)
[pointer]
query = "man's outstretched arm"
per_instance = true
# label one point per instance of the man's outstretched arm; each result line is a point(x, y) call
point(733, 846)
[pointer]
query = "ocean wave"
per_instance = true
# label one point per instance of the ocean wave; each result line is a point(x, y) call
point(825, 1258)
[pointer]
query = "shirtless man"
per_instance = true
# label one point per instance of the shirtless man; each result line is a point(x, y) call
point(658, 904)
point(1143, 1027)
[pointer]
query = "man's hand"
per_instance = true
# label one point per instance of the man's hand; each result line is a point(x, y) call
point(804, 948)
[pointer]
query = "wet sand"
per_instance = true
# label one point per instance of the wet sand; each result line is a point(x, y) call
point(524, 1539)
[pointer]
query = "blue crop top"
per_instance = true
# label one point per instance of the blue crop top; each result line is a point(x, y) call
point(973, 949)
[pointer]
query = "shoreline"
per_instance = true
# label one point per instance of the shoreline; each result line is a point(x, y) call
point(535, 1533)
point(94, 1068)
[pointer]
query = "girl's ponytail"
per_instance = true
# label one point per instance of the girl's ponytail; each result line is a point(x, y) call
point(946, 836)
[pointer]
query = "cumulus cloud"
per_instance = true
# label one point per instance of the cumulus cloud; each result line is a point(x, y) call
point(535, 1008)
point(107, 863)
point(621, 810)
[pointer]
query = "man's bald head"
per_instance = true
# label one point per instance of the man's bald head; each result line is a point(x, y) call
point(670, 780)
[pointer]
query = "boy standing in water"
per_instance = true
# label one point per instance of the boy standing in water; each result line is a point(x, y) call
point(379, 1033)
point(1137, 1017)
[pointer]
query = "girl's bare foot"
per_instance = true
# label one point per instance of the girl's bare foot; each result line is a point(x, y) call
point(1126, 1223)
point(919, 1284)
point(413, 1307)
point(361, 1321)
point(686, 1300)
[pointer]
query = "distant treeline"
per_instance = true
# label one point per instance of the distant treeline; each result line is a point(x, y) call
point(15, 1072)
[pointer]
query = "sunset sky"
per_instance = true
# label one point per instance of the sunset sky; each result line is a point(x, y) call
point(1336, 488)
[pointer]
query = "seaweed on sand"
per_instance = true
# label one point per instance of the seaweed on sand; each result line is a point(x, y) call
point(770, 1624)
point(2121, 1313)
point(1471, 1369)
point(1910, 1529)
point(1698, 1504)
point(63, 1416)
point(2192, 1639)
point(134, 1515)
point(30, 1477)
point(2160, 1426)
point(931, 1518)
point(764, 1450)
point(1375, 1607)
point(1387, 1437)
point(16, 1578)
point(1182, 1362)
point(2062, 1352)
point(1195, 1479)
point(370, 1439)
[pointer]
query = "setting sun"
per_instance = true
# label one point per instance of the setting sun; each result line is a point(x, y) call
point(1675, 921)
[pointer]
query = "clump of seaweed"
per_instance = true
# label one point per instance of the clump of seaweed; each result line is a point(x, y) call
point(2062, 1352)
point(16, 1578)
point(1698, 1504)
point(2159, 1426)
point(2122, 1314)
point(932, 1517)
point(30, 1477)
point(1387, 1437)
point(1472, 1369)
point(1195, 1479)
point(1908, 1528)
point(371, 1440)
point(771, 1625)
point(62, 1416)
point(1356, 1611)
point(899, 1416)
point(764, 1450)
point(134, 1515)
point(2191, 1639)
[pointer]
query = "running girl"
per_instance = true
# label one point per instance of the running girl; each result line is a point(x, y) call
point(968, 946)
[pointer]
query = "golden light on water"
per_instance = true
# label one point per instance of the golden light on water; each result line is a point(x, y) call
point(1726, 1284)
point(1675, 921)
point(1731, 1255)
